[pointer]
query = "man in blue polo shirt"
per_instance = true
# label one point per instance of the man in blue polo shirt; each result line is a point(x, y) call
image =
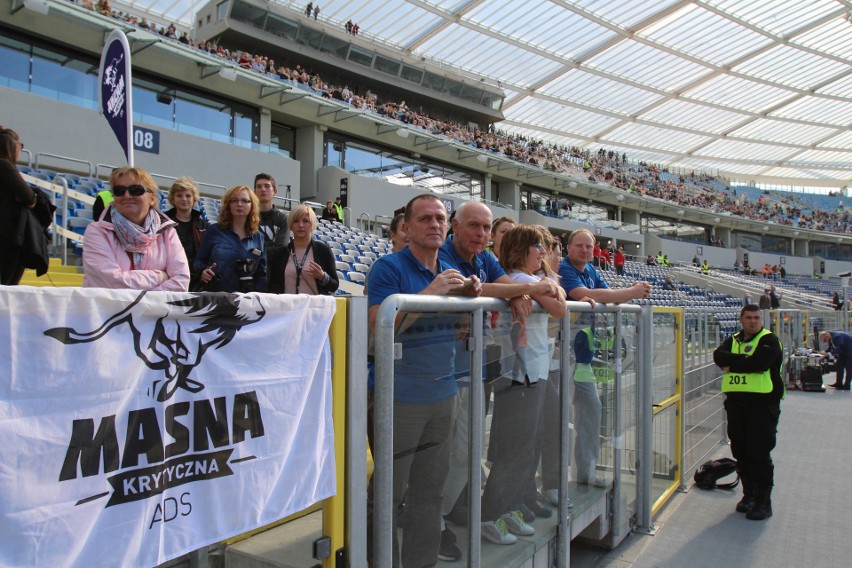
point(425, 392)
point(582, 283)
point(466, 251)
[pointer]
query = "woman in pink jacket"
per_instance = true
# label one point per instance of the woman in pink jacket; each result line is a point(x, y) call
point(134, 245)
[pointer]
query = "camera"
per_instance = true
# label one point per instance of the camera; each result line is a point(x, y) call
point(246, 268)
point(245, 274)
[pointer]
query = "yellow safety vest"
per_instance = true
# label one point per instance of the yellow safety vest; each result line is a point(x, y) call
point(587, 373)
point(747, 382)
point(107, 197)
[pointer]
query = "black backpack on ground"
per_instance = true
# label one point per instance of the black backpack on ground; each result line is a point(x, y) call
point(707, 476)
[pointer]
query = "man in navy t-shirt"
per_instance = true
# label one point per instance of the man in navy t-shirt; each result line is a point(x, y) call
point(582, 283)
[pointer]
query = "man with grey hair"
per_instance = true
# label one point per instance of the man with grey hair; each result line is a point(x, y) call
point(466, 251)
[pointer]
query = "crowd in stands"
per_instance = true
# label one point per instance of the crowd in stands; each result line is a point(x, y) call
point(604, 166)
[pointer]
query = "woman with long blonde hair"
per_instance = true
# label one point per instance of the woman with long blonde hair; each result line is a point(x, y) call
point(232, 257)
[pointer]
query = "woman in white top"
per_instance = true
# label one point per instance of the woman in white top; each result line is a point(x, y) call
point(518, 402)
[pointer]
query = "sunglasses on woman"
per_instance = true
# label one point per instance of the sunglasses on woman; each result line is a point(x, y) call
point(134, 190)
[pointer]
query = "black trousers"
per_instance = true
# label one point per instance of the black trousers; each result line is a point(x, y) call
point(752, 431)
point(11, 265)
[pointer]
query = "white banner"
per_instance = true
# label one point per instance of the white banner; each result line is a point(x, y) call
point(141, 426)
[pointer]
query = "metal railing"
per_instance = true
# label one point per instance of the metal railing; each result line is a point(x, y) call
point(386, 351)
point(87, 163)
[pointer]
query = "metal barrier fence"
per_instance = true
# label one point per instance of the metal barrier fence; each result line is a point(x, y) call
point(662, 413)
point(628, 386)
point(703, 419)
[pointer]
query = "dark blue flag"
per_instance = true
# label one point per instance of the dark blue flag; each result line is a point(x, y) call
point(115, 93)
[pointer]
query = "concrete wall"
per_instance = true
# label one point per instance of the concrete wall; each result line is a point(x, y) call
point(792, 264)
point(832, 267)
point(679, 251)
point(566, 225)
point(371, 197)
point(53, 127)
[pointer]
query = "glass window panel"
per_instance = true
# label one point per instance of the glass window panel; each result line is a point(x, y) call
point(433, 81)
point(282, 27)
point(386, 65)
point(831, 251)
point(396, 165)
point(197, 117)
point(492, 101)
point(307, 36)
point(150, 106)
point(244, 128)
point(249, 14)
point(472, 94)
point(15, 70)
point(362, 56)
point(362, 161)
point(333, 153)
point(222, 10)
point(283, 140)
point(336, 46)
point(62, 78)
point(411, 74)
point(453, 88)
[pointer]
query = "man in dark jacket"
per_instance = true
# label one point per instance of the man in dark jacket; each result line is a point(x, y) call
point(273, 222)
point(753, 387)
point(765, 301)
point(840, 344)
point(775, 298)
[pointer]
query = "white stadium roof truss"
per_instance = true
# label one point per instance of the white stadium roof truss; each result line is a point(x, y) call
point(745, 88)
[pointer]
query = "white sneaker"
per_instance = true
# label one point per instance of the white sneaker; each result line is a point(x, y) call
point(497, 532)
point(517, 525)
point(552, 495)
point(598, 481)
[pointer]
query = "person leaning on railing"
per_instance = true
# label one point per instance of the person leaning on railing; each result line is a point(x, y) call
point(583, 283)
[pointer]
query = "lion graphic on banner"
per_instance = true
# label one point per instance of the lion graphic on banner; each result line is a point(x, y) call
point(214, 320)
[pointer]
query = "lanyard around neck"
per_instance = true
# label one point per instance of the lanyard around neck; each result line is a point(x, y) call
point(296, 263)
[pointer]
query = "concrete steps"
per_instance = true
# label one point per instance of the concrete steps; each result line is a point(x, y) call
point(57, 275)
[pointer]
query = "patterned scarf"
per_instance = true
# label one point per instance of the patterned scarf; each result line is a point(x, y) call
point(133, 238)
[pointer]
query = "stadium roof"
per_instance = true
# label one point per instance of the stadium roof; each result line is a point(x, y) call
point(744, 88)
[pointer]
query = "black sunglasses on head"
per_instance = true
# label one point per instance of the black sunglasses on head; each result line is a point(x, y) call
point(135, 190)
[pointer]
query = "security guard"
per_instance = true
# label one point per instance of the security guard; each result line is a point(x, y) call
point(102, 201)
point(592, 352)
point(753, 387)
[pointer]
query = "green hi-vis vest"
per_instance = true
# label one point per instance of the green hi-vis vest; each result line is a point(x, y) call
point(586, 373)
point(747, 382)
point(107, 197)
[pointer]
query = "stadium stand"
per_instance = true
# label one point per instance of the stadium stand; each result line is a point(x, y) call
point(612, 193)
